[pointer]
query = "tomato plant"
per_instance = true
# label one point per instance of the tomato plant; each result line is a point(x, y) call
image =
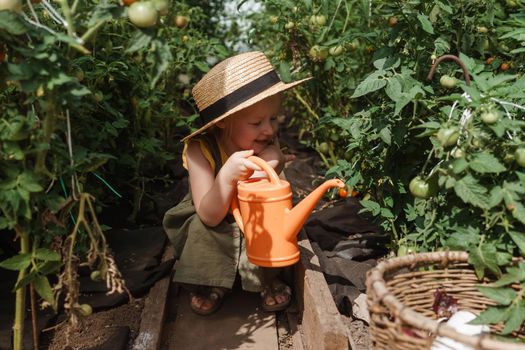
point(89, 113)
point(392, 124)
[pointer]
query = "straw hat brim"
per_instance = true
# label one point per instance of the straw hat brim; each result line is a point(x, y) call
point(274, 89)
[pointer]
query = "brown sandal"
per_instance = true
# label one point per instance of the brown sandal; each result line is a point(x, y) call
point(275, 289)
point(212, 295)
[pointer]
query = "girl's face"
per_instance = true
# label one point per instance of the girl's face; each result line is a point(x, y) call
point(254, 127)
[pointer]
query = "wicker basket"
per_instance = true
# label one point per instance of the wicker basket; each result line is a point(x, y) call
point(400, 298)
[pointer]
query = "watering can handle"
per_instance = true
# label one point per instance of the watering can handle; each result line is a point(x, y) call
point(272, 175)
point(274, 179)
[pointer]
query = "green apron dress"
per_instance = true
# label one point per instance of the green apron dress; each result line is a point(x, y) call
point(209, 256)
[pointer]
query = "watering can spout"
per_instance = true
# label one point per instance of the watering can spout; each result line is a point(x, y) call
point(296, 217)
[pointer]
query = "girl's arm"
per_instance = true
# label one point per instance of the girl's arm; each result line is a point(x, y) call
point(212, 195)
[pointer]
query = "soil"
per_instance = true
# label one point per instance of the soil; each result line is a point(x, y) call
point(98, 328)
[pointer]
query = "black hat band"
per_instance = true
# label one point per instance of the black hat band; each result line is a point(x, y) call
point(239, 96)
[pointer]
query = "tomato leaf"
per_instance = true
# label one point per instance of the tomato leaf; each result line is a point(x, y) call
point(513, 275)
point(43, 288)
point(463, 238)
point(491, 315)
point(12, 23)
point(486, 163)
point(519, 239)
point(518, 212)
point(503, 296)
point(17, 262)
point(516, 318)
point(484, 257)
point(372, 83)
point(425, 23)
point(470, 191)
point(47, 255)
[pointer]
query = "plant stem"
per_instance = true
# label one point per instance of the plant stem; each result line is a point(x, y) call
point(304, 103)
point(20, 306)
point(33, 315)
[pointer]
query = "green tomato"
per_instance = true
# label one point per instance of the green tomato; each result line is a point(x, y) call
point(402, 250)
point(519, 156)
point(162, 6)
point(11, 5)
point(96, 276)
point(318, 53)
point(289, 25)
point(336, 50)
point(323, 148)
point(490, 116)
point(482, 29)
point(447, 136)
point(85, 309)
point(320, 20)
point(421, 188)
point(447, 81)
point(458, 153)
point(143, 14)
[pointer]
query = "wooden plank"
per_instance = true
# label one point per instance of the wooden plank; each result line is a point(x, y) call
point(154, 311)
point(321, 323)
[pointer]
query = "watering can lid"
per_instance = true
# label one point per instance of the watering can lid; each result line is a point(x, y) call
point(263, 188)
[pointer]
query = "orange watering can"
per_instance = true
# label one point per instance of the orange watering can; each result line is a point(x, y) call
point(263, 211)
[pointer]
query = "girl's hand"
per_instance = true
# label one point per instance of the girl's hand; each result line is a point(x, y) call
point(238, 167)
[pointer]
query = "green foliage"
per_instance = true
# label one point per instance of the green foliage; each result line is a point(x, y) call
point(386, 124)
point(89, 103)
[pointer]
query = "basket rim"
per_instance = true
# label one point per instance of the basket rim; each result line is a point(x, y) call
point(375, 283)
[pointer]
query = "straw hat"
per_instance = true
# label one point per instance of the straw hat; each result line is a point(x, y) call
point(234, 84)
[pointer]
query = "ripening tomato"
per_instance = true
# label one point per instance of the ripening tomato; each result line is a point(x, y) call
point(392, 21)
point(128, 2)
point(343, 192)
point(181, 21)
point(490, 60)
point(447, 136)
point(143, 14)
point(504, 67)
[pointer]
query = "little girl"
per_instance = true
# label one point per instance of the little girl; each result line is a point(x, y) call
point(239, 101)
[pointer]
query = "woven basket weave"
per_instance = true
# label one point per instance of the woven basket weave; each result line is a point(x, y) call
point(400, 296)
